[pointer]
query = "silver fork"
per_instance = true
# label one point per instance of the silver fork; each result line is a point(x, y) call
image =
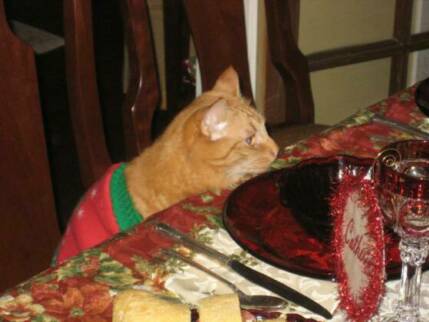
point(254, 302)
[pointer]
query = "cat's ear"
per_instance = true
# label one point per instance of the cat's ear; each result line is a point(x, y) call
point(228, 82)
point(214, 122)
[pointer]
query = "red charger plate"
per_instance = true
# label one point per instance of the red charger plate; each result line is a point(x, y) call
point(258, 222)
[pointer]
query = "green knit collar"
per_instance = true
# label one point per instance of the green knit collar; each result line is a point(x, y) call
point(126, 215)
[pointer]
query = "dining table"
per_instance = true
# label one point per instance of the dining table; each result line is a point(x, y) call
point(83, 287)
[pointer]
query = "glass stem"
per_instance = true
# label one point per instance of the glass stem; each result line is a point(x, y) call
point(413, 255)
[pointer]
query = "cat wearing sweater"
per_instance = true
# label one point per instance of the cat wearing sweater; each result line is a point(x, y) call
point(215, 143)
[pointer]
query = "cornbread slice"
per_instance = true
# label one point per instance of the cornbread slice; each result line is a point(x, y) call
point(220, 308)
point(142, 306)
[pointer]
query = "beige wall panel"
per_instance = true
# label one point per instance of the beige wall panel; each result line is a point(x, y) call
point(327, 24)
point(339, 92)
point(261, 58)
point(157, 19)
point(420, 16)
point(418, 63)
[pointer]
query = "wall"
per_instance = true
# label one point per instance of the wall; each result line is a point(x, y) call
point(325, 24)
point(156, 16)
point(330, 24)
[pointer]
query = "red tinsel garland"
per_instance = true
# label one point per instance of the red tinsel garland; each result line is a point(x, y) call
point(362, 308)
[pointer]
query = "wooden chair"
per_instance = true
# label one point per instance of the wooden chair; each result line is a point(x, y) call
point(29, 228)
point(141, 98)
point(179, 77)
point(293, 68)
point(219, 35)
point(29, 225)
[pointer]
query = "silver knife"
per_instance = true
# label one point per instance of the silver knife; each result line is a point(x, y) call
point(400, 126)
point(246, 272)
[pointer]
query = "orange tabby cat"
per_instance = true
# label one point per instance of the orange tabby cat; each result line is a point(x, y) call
point(215, 143)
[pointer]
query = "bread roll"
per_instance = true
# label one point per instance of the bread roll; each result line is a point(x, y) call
point(220, 308)
point(142, 306)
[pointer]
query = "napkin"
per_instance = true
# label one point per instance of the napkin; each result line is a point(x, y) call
point(193, 285)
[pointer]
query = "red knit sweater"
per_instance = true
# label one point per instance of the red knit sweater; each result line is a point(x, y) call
point(104, 210)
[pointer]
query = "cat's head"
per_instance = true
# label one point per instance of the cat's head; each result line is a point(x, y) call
point(227, 134)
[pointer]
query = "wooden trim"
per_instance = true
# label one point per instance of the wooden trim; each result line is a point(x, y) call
point(403, 18)
point(295, 11)
point(419, 41)
point(401, 32)
point(397, 48)
point(353, 54)
point(360, 53)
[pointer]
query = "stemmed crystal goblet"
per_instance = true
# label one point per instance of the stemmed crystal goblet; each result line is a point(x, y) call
point(401, 176)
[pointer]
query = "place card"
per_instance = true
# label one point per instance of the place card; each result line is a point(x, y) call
point(358, 242)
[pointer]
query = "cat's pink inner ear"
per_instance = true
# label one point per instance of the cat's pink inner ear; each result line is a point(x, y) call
point(228, 82)
point(214, 122)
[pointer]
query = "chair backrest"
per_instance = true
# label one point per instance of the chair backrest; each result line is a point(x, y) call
point(141, 98)
point(289, 61)
point(219, 35)
point(28, 223)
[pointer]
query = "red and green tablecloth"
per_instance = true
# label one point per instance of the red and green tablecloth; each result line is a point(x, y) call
point(82, 288)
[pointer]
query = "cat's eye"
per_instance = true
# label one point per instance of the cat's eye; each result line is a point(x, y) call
point(249, 140)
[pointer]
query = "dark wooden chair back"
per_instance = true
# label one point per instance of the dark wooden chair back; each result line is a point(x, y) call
point(289, 61)
point(219, 34)
point(28, 223)
point(292, 66)
point(142, 95)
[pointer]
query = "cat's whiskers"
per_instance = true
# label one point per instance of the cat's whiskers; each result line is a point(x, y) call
point(246, 170)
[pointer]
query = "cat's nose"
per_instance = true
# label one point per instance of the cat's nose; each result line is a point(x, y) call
point(275, 153)
point(274, 149)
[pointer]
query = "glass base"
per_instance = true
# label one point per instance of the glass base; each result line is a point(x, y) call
point(404, 313)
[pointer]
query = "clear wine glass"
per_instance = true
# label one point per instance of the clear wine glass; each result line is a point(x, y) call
point(401, 175)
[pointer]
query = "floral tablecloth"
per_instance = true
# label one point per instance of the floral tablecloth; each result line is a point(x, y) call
point(82, 288)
